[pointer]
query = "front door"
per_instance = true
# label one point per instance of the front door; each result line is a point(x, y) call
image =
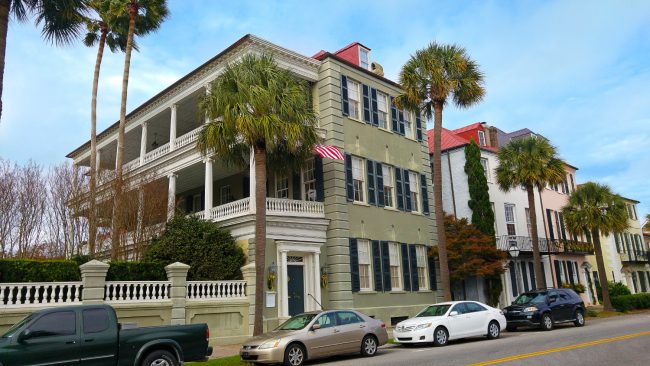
point(296, 288)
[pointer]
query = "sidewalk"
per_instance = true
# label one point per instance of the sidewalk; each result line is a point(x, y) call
point(225, 351)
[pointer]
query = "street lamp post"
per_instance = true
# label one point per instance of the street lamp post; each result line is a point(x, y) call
point(514, 253)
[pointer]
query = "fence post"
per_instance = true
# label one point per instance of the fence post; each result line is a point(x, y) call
point(177, 275)
point(93, 279)
point(248, 272)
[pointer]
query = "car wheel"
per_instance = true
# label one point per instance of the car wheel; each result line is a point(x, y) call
point(160, 358)
point(440, 337)
point(369, 346)
point(511, 328)
point(494, 330)
point(547, 322)
point(579, 319)
point(294, 355)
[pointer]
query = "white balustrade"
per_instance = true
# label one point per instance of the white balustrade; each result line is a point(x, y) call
point(131, 165)
point(287, 207)
point(155, 154)
point(187, 138)
point(231, 209)
point(48, 293)
point(131, 291)
point(210, 290)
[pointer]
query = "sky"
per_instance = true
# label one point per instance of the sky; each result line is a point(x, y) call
point(577, 72)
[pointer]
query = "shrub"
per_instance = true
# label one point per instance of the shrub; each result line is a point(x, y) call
point(32, 270)
point(625, 303)
point(210, 250)
point(615, 289)
point(136, 271)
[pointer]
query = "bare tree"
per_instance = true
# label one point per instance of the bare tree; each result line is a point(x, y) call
point(31, 194)
point(8, 202)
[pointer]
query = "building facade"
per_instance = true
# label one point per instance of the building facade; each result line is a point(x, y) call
point(341, 234)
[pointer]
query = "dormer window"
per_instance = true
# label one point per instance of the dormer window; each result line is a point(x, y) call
point(481, 138)
point(364, 58)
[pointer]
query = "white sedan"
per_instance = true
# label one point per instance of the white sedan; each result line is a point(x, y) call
point(446, 321)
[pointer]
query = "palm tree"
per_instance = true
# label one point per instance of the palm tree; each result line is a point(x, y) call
point(257, 107)
point(593, 208)
point(104, 30)
point(646, 225)
point(430, 78)
point(62, 22)
point(145, 16)
point(530, 162)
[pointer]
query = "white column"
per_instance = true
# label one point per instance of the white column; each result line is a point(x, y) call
point(284, 294)
point(143, 142)
point(251, 183)
point(208, 187)
point(317, 294)
point(172, 129)
point(171, 195)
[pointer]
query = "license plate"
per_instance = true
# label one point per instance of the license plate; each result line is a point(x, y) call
point(244, 354)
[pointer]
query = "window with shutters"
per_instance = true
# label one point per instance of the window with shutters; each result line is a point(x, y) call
point(486, 168)
point(382, 110)
point(281, 187)
point(395, 268)
point(309, 180)
point(414, 186)
point(354, 99)
point(511, 224)
point(421, 257)
point(365, 260)
point(358, 179)
point(530, 233)
point(481, 138)
point(408, 124)
point(389, 185)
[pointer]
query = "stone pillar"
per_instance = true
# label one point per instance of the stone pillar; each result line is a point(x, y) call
point(208, 187)
point(284, 286)
point(93, 279)
point(248, 272)
point(177, 275)
point(171, 195)
point(143, 142)
point(172, 129)
point(317, 289)
point(251, 182)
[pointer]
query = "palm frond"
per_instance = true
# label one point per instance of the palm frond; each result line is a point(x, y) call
point(594, 206)
point(63, 21)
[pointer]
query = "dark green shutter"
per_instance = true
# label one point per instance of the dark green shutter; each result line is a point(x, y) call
point(418, 126)
point(570, 270)
point(366, 103)
point(399, 189)
point(348, 177)
point(400, 114)
point(379, 173)
point(549, 218)
point(561, 223)
point(531, 269)
point(375, 108)
point(376, 265)
point(408, 205)
point(524, 275)
point(406, 272)
point(345, 106)
point(370, 168)
point(415, 282)
point(385, 266)
point(513, 279)
point(354, 265)
point(393, 116)
point(295, 183)
point(558, 273)
point(433, 281)
point(424, 194)
point(318, 174)
point(618, 244)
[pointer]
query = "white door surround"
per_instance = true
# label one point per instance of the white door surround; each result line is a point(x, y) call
point(310, 254)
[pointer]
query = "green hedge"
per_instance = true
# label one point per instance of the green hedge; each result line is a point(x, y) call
point(32, 270)
point(631, 302)
point(136, 271)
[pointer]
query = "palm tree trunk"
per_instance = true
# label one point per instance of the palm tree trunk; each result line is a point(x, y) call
point(537, 258)
point(92, 216)
point(4, 27)
point(260, 237)
point(437, 196)
point(117, 204)
point(602, 274)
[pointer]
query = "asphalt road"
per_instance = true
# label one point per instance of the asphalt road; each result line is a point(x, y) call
point(623, 340)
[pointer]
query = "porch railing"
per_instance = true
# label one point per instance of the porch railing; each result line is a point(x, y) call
point(200, 290)
point(155, 154)
point(125, 291)
point(231, 209)
point(525, 244)
point(187, 138)
point(39, 294)
point(281, 206)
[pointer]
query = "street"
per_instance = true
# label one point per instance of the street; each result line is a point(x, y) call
point(613, 341)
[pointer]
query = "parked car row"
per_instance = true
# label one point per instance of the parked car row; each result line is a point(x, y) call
point(325, 333)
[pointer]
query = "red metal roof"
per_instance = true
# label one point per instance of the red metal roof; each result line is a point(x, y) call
point(477, 125)
point(451, 140)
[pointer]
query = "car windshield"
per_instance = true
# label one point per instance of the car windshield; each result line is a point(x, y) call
point(434, 310)
point(531, 298)
point(14, 329)
point(297, 322)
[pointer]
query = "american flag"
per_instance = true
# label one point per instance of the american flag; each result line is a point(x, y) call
point(329, 151)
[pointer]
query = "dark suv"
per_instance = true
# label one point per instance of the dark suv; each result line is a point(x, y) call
point(545, 308)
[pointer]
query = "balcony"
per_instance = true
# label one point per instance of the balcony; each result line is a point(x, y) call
point(635, 257)
point(274, 207)
point(546, 246)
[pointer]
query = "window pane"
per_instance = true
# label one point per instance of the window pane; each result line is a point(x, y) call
point(326, 320)
point(59, 323)
point(95, 320)
point(347, 317)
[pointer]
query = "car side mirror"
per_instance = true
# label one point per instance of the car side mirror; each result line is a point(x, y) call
point(24, 335)
point(315, 326)
point(453, 313)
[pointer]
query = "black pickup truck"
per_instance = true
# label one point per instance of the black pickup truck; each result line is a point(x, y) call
point(89, 335)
